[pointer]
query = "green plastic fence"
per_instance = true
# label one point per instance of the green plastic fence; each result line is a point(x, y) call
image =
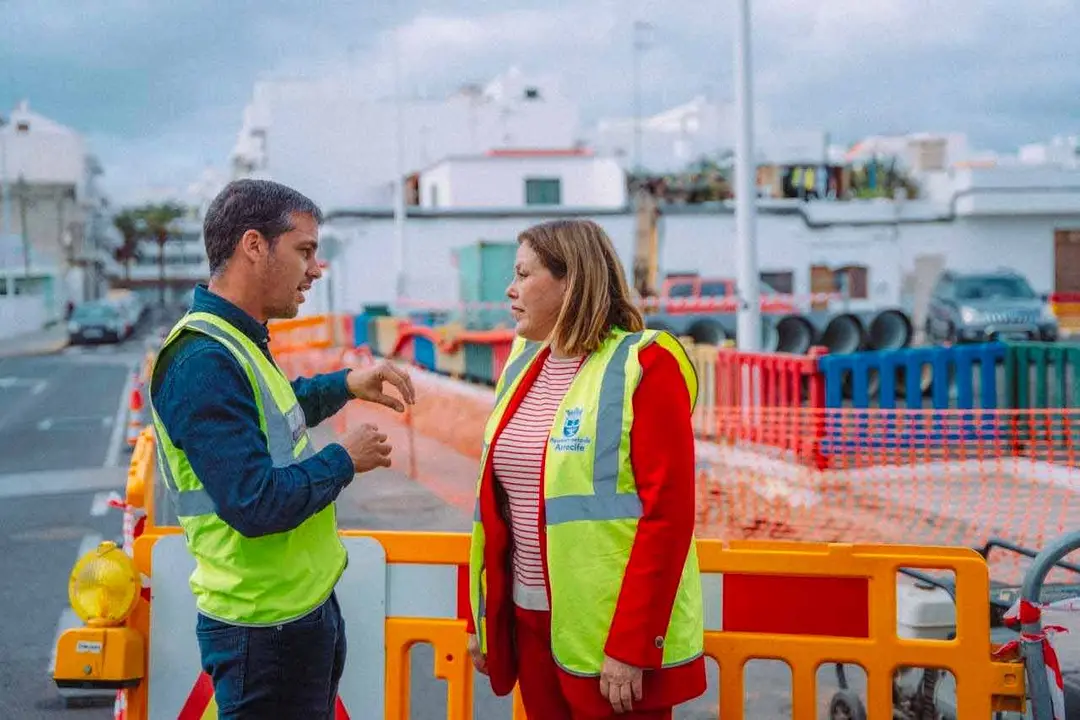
point(478, 362)
point(1042, 375)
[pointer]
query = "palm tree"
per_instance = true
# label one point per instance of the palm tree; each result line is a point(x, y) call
point(127, 223)
point(158, 221)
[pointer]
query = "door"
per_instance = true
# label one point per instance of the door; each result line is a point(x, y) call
point(1067, 261)
point(822, 282)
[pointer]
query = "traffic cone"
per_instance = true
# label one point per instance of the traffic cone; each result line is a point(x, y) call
point(135, 415)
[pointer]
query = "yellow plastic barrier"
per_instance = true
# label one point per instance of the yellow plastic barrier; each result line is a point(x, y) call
point(386, 333)
point(450, 363)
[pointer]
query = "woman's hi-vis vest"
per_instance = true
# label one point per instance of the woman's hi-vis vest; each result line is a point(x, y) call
point(262, 580)
point(591, 505)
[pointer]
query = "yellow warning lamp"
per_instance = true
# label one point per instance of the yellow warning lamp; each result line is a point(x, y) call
point(103, 586)
point(103, 590)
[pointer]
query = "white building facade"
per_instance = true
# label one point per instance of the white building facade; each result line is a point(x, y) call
point(51, 217)
point(339, 145)
point(504, 179)
point(976, 219)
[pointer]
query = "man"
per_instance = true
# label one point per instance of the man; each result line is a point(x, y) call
point(253, 497)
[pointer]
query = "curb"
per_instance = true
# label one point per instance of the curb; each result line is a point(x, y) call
point(35, 351)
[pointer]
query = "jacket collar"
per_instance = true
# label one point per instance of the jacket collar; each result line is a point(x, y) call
point(209, 302)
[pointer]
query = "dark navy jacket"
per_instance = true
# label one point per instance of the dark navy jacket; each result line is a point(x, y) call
point(207, 405)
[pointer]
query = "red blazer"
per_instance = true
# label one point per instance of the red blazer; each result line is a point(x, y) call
point(662, 456)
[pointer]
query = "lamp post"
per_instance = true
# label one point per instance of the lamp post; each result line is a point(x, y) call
point(640, 44)
point(748, 325)
point(399, 180)
point(5, 204)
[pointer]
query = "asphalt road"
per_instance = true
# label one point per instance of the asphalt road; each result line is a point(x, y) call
point(62, 451)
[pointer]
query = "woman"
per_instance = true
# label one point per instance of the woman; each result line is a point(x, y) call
point(584, 576)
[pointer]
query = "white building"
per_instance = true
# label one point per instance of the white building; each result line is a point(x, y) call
point(337, 144)
point(51, 218)
point(673, 138)
point(574, 178)
point(973, 219)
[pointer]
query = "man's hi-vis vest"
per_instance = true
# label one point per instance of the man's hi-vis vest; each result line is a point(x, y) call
point(262, 580)
point(592, 506)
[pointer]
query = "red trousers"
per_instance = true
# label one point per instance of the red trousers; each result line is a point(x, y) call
point(542, 692)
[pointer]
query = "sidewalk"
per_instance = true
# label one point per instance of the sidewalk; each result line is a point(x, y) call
point(42, 342)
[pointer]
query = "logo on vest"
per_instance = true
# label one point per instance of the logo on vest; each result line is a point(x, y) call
point(297, 423)
point(569, 441)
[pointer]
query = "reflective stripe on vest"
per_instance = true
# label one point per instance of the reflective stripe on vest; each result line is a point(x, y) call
point(281, 430)
point(605, 503)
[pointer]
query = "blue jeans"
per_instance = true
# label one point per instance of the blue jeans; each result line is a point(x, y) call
point(283, 671)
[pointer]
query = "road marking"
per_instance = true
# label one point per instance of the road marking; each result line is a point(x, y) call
point(50, 423)
point(60, 482)
point(112, 456)
point(36, 386)
point(100, 505)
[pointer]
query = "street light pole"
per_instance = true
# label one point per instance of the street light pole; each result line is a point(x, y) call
point(5, 203)
point(399, 180)
point(640, 45)
point(748, 324)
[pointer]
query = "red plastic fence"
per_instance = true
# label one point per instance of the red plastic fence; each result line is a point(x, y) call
point(759, 397)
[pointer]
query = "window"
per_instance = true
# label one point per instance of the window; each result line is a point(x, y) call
point(543, 191)
point(990, 287)
point(780, 281)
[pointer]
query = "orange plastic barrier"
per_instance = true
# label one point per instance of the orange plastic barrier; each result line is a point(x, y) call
point(747, 589)
point(316, 332)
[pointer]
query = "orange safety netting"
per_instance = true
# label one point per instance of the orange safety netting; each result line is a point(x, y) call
point(902, 476)
point(944, 477)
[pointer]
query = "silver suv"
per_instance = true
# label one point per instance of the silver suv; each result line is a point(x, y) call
point(978, 307)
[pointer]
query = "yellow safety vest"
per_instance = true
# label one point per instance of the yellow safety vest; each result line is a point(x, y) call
point(592, 506)
point(252, 581)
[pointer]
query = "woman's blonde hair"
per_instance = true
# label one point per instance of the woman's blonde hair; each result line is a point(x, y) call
point(597, 294)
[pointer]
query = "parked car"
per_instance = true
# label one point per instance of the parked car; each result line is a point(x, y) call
point(979, 307)
point(98, 321)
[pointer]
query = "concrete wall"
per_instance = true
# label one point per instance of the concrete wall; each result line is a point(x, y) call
point(21, 314)
point(706, 243)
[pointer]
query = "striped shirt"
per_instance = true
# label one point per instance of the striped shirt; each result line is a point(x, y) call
point(517, 459)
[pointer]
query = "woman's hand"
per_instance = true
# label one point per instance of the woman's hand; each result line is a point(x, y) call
point(479, 659)
point(620, 684)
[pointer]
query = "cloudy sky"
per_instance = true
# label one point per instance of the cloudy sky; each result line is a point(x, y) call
point(159, 87)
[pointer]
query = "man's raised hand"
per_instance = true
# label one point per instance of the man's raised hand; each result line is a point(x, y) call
point(368, 383)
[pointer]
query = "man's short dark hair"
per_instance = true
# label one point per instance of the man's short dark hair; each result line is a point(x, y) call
point(243, 205)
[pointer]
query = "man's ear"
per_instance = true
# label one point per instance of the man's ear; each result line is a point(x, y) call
point(253, 245)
